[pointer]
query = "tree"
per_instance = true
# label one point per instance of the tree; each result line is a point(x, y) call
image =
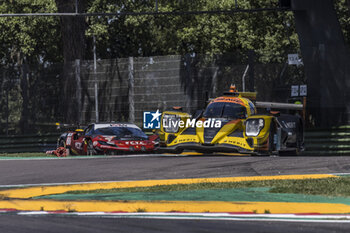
point(26, 41)
point(74, 46)
point(72, 30)
point(343, 12)
point(271, 34)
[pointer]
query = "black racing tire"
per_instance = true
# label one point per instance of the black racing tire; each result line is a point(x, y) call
point(90, 148)
point(179, 151)
point(62, 143)
point(261, 153)
point(204, 152)
point(164, 150)
point(113, 152)
point(295, 152)
point(271, 148)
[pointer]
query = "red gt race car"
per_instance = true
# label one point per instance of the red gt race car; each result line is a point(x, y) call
point(109, 138)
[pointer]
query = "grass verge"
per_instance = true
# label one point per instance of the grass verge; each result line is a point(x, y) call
point(339, 186)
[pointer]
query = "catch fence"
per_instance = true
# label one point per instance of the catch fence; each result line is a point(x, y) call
point(34, 98)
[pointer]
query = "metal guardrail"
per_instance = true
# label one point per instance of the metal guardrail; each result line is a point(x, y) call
point(28, 143)
point(331, 141)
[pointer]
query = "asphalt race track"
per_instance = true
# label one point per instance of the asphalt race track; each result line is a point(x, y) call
point(143, 167)
point(25, 224)
point(161, 167)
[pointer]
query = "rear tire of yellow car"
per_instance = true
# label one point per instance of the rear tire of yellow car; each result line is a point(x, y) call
point(295, 152)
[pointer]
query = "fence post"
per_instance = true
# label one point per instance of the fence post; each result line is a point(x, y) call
point(95, 79)
point(78, 90)
point(7, 111)
point(188, 85)
point(24, 120)
point(251, 58)
point(131, 90)
point(6, 87)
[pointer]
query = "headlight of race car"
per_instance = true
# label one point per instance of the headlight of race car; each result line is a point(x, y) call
point(254, 126)
point(171, 123)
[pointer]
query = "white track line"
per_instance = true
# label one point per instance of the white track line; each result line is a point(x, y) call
point(91, 157)
point(207, 216)
point(56, 184)
point(340, 174)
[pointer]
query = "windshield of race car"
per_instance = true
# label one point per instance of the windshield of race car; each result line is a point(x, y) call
point(121, 132)
point(225, 110)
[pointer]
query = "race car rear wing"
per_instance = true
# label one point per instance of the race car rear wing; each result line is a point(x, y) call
point(273, 105)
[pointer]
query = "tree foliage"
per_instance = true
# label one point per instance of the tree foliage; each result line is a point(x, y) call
point(35, 39)
point(270, 34)
point(42, 41)
point(25, 40)
point(343, 10)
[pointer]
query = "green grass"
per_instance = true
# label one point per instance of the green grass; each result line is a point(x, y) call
point(327, 187)
point(33, 154)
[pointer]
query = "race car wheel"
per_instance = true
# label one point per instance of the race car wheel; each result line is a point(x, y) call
point(90, 148)
point(295, 152)
point(270, 144)
point(62, 143)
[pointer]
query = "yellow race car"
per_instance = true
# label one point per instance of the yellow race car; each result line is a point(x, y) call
point(230, 123)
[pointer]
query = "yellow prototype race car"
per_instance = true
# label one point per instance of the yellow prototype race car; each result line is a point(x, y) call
point(230, 123)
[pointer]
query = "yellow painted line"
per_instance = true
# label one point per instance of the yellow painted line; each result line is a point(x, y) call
point(216, 153)
point(184, 153)
point(49, 190)
point(172, 206)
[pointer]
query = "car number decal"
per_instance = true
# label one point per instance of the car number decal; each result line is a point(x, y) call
point(69, 139)
point(78, 145)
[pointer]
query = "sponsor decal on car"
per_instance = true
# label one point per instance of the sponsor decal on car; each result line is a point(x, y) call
point(78, 145)
point(133, 143)
point(69, 139)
